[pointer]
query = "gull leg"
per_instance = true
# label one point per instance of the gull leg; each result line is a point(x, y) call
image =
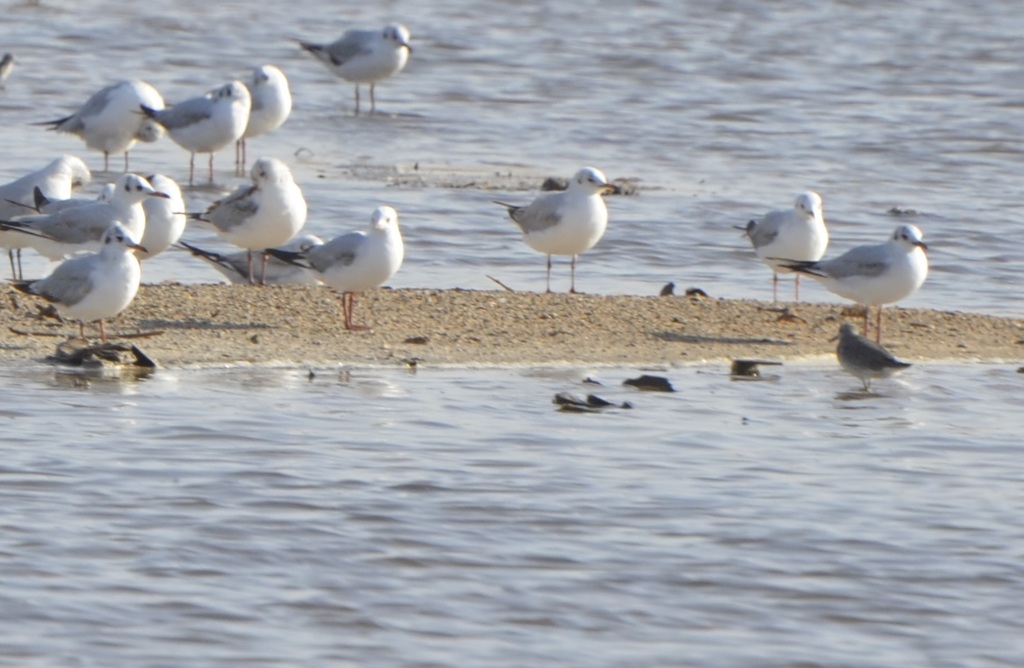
point(103, 333)
point(572, 275)
point(263, 270)
point(191, 167)
point(10, 256)
point(357, 99)
point(249, 257)
point(106, 161)
point(878, 325)
point(21, 272)
point(549, 275)
point(867, 331)
point(798, 287)
point(351, 315)
point(775, 287)
point(126, 162)
point(211, 166)
point(373, 100)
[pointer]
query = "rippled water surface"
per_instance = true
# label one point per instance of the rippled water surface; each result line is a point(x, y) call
point(452, 517)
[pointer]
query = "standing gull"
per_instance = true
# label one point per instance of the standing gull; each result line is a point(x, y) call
point(565, 223)
point(82, 228)
point(357, 261)
point(863, 358)
point(874, 275)
point(365, 56)
point(110, 121)
point(795, 235)
point(95, 286)
point(207, 123)
point(271, 105)
point(18, 197)
point(235, 266)
point(267, 213)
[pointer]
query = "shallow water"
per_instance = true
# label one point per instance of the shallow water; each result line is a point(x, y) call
point(452, 517)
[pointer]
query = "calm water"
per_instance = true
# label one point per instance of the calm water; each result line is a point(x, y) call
point(452, 517)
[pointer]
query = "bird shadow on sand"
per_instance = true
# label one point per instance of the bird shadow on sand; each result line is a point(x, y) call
point(205, 325)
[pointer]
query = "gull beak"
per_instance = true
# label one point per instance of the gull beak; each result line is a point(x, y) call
point(138, 247)
point(157, 193)
point(922, 245)
point(608, 188)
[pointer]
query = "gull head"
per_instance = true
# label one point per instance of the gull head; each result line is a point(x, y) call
point(909, 237)
point(267, 75)
point(232, 91)
point(590, 180)
point(76, 170)
point(149, 131)
point(270, 170)
point(809, 203)
point(398, 35)
point(134, 188)
point(384, 217)
point(117, 238)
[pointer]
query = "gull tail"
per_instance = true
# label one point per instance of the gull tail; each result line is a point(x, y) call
point(291, 257)
point(808, 267)
point(56, 125)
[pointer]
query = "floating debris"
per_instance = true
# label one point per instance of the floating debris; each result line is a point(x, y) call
point(749, 369)
point(591, 404)
point(650, 383)
point(78, 352)
point(903, 211)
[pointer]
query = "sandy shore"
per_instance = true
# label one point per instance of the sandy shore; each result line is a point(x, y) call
point(300, 325)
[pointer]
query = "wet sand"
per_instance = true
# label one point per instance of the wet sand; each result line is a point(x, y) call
point(189, 325)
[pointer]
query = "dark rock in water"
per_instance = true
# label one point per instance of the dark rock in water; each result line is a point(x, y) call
point(77, 352)
point(591, 404)
point(749, 369)
point(591, 381)
point(650, 383)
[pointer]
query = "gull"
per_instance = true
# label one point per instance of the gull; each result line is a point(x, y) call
point(96, 286)
point(357, 261)
point(565, 223)
point(365, 56)
point(235, 267)
point(6, 66)
point(267, 213)
point(82, 228)
point(271, 105)
point(874, 275)
point(18, 197)
point(797, 235)
point(207, 123)
point(165, 217)
point(110, 121)
point(863, 358)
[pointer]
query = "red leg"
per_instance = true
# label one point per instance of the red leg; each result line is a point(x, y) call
point(549, 274)
point(572, 275)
